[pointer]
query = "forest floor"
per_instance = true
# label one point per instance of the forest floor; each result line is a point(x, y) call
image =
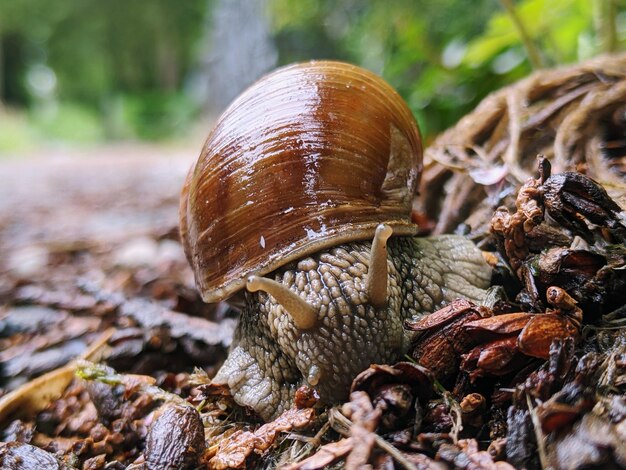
point(89, 255)
point(103, 193)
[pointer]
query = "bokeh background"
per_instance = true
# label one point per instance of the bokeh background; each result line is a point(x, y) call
point(104, 105)
point(88, 72)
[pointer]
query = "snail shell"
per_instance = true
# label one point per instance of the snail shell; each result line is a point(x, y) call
point(310, 156)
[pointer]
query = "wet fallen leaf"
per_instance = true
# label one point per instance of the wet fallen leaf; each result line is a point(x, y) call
point(441, 338)
point(537, 336)
point(443, 316)
point(306, 397)
point(505, 324)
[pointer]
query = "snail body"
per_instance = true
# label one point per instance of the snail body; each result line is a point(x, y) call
point(271, 357)
point(303, 195)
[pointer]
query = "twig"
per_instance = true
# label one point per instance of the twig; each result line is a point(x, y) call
point(312, 443)
point(395, 453)
point(531, 49)
point(455, 411)
point(543, 459)
point(91, 371)
point(512, 154)
point(341, 424)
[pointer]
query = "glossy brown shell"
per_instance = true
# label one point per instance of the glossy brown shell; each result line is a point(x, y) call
point(310, 156)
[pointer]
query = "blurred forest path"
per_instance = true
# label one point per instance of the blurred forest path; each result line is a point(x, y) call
point(102, 194)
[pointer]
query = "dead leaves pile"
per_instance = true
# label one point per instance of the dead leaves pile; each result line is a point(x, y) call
point(566, 232)
point(535, 379)
point(381, 426)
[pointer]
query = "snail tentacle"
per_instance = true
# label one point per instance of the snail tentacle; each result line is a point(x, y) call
point(302, 313)
point(377, 275)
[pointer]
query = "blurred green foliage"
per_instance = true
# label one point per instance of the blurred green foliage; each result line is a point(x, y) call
point(87, 70)
point(158, 114)
point(15, 132)
point(68, 121)
point(90, 70)
point(444, 56)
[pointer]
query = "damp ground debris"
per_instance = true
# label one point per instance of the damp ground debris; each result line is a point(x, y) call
point(107, 351)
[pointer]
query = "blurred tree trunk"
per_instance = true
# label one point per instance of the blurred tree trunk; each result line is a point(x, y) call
point(604, 14)
point(168, 65)
point(237, 48)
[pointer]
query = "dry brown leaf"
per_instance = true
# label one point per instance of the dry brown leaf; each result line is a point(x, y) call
point(501, 324)
point(235, 450)
point(306, 397)
point(377, 375)
point(324, 456)
point(361, 411)
point(466, 456)
point(537, 336)
point(441, 337)
point(210, 390)
point(363, 442)
point(358, 447)
point(365, 420)
point(442, 316)
point(38, 393)
point(481, 459)
point(491, 357)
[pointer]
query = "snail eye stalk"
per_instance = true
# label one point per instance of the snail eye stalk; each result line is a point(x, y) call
point(378, 273)
point(302, 313)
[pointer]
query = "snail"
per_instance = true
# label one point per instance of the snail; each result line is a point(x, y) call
point(301, 199)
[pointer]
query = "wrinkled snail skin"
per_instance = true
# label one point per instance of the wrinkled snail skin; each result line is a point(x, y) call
point(270, 357)
point(302, 198)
